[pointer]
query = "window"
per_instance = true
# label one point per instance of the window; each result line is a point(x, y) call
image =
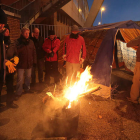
point(58, 16)
point(61, 18)
point(64, 19)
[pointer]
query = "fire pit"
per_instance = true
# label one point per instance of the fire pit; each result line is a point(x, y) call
point(62, 112)
point(62, 121)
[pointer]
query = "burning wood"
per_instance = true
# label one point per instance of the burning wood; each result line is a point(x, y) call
point(65, 108)
point(80, 89)
point(89, 91)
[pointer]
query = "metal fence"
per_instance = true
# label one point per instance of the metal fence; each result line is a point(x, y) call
point(59, 29)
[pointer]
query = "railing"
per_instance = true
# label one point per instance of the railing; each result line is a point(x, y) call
point(59, 29)
point(34, 7)
point(9, 8)
point(19, 4)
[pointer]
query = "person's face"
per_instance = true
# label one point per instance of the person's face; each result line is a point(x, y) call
point(1, 26)
point(75, 32)
point(6, 32)
point(26, 34)
point(52, 37)
point(36, 33)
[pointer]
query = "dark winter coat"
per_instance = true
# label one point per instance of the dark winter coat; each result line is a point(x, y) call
point(38, 45)
point(2, 57)
point(26, 53)
point(10, 50)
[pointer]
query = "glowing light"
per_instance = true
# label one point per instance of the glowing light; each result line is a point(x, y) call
point(79, 87)
point(99, 23)
point(102, 8)
point(80, 10)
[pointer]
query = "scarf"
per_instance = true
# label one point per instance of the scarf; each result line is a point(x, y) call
point(23, 40)
point(7, 40)
point(75, 36)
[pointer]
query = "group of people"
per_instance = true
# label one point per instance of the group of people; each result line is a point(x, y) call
point(27, 54)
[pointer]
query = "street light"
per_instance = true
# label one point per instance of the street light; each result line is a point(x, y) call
point(99, 23)
point(102, 9)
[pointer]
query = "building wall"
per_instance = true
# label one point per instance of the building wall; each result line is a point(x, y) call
point(78, 10)
point(14, 25)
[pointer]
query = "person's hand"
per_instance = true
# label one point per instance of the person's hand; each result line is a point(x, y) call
point(81, 61)
point(16, 60)
point(11, 66)
point(64, 57)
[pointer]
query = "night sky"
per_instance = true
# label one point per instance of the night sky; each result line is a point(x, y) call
point(118, 10)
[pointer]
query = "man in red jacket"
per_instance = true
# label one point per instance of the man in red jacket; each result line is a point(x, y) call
point(51, 46)
point(74, 53)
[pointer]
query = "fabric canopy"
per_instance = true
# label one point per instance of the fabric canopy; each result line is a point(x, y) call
point(100, 42)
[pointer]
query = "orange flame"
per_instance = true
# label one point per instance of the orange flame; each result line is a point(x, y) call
point(79, 87)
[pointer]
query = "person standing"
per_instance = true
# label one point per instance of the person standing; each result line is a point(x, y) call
point(74, 53)
point(3, 61)
point(38, 42)
point(135, 88)
point(51, 46)
point(27, 59)
point(11, 57)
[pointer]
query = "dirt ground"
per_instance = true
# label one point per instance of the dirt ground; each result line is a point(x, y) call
point(100, 119)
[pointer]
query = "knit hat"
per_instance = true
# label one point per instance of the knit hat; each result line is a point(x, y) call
point(7, 27)
point(51, 32)
point(3, 17)
point(74, 28)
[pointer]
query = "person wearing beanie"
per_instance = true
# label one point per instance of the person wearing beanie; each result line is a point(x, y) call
point(51, 46)
point(74, 53)
point(11, 60)
point(3, 21)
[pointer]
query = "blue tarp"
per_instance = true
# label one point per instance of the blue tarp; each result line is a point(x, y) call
point(102, 66)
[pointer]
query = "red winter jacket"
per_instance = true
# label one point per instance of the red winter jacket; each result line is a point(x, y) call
point(74, 49)
point(51, 45)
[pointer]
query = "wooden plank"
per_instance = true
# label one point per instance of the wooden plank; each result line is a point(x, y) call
point(53, 138)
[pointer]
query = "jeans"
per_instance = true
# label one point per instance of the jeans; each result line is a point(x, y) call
point(71, 70)
point(40, 67)
point(20, 74)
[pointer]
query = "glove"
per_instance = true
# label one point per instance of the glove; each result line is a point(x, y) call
point(10, 66)
point(16, 60)
point(81, 61)
point(52, 54)
point(64, 57)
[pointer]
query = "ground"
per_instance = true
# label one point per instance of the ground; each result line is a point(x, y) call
point(100, 119)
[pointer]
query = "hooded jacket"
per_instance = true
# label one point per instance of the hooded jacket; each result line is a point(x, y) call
point(74, 48)
point(51, 45)
point(26, 53)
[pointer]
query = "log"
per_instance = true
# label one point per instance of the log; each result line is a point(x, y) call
point(90, 91)
point(53, 138)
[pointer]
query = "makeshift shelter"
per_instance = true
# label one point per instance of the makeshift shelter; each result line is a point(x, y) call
point(102, 51)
